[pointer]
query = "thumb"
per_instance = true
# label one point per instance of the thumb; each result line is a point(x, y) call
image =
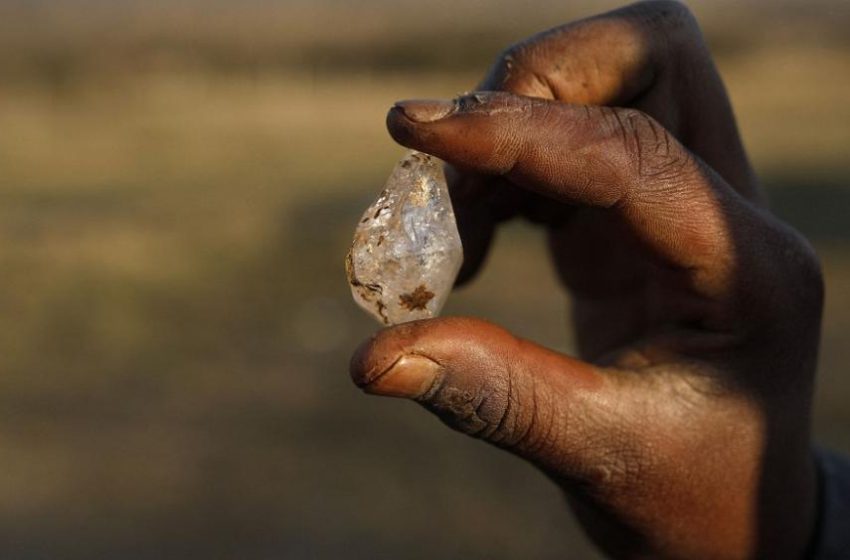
point(483, 381)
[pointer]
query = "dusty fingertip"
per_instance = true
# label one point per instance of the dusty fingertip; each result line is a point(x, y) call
point(389, 362)
point(410, 376)
point(390, 372)
point(401, 128)
point(426, 110)
point(362, 364)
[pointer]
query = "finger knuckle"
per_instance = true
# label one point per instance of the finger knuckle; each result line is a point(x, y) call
point(802, 275)
point(498, 412)
point(521, 68)
point(501, 412)
point(666, 14)
point(649, 152)
point(459, 409)
point(672, 26)
point(781, 292)
point(506, 66)
point(518, 55)
point(478, 404)
point(812, 275)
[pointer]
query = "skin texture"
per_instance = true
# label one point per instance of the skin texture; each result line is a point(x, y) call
point(682, 429)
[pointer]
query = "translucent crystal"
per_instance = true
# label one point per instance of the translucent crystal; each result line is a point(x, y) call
point(406, 252)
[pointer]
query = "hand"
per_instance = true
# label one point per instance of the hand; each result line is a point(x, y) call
point(683, 431)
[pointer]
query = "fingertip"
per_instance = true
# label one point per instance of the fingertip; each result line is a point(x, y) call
point(442, 340)
point(401, 128)
point(405, 118)
point(426, 110)
point(360, 366)
point(379, 352)
point(427, 124)
point(410, 376)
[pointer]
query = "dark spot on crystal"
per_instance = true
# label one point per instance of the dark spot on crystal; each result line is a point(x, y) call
point(378, 212)
point(354, 281)
point(382, 311)
point(417, 299)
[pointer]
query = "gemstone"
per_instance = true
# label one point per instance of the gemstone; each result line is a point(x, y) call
point(406, 251)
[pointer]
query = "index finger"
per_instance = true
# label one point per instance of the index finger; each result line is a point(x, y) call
point(619, 159)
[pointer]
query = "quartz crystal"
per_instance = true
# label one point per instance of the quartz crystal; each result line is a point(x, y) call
point(406, 252)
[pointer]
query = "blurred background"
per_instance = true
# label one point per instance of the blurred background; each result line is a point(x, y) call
point(179, 182)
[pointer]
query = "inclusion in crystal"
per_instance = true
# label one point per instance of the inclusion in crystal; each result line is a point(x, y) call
point(406, 251)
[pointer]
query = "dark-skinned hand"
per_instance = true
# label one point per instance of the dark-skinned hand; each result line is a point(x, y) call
point(682, 430)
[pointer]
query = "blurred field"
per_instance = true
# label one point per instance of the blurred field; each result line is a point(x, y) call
point(178, 185)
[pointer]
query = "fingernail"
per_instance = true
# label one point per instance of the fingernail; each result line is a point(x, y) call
point(426, 110)
point(410, 377)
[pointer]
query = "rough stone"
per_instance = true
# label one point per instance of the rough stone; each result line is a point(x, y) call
point(406, 251)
